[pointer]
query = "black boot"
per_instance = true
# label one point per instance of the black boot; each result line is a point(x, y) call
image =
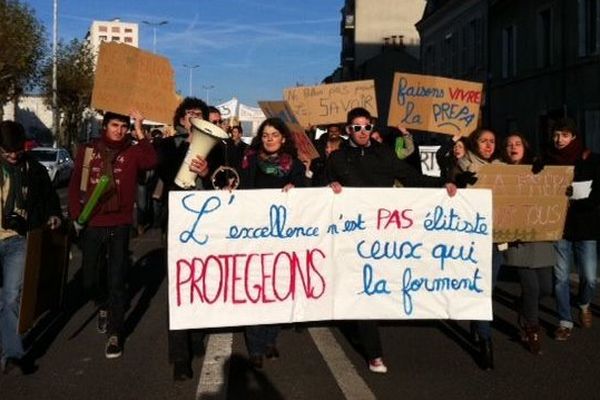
point(486, 355)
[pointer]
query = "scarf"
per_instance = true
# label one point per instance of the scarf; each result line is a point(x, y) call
point(568, 155)
point(109, 151)
point(274, 164)
point(15, 200)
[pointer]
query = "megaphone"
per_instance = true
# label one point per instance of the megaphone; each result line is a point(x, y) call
point(204, 137)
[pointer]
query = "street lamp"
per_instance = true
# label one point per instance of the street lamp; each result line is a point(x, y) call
point(154, 25)
point(208, 88)
point(191, 67)
point(54, 70)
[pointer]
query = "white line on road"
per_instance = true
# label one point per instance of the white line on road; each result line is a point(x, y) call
point(213, 377)
point(348, 379)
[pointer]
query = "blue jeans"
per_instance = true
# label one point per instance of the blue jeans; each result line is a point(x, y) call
point(586, 262)
point(484, 328)
point(259, 337)
point(12, 259)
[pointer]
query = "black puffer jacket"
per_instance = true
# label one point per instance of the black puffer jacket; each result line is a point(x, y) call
point(374, 166)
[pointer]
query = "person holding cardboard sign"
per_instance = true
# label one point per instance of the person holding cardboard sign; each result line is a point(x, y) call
point(581, 228)
point(27, 201)
point(363, 162)
point(534, 260)
point(106, 236)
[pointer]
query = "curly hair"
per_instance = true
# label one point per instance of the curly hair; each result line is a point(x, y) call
point(289, 146)
point(189, 103)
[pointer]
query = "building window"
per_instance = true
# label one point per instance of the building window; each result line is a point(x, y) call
point(115, 38)
point(448, 56)
point(430, 60)
point(128, 40)
point(102, 29)
point(115, 29)
point(478, 49)
point(544, 38)
point(128, 30)
point(589, 27)
point(103, 37)
point(509, 53)
point(468, 53)
point(592, 129)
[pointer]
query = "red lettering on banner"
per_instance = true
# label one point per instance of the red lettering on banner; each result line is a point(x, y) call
point(267, 277)
point(468, 96)
point(400, 219)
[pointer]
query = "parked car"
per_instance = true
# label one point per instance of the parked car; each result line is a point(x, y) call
point(57, 161)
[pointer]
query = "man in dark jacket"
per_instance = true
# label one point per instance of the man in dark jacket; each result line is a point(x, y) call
point(362, 162)
point(106, 236)
point(27, 201)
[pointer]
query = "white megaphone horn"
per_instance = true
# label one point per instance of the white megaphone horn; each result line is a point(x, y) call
point(204, 137)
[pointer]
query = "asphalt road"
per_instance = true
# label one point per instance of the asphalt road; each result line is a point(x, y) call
point(426, 359)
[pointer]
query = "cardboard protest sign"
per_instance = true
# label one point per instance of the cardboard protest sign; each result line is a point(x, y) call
point(45, 275)
point(281, 110)
point(310, 254)
point(330, 103)
point(435, 104)
point(127, 77)
point(527, 207)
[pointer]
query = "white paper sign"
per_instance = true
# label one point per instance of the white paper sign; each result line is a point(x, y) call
point(429, 164)
point(581, 190)
point(264, 256)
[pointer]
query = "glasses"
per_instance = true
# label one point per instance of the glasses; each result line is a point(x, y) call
point(197, 114)
point(358, 128)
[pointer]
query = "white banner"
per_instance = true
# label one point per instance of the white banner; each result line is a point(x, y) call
point(264, 256)
point(248, 113)
point(228, 109)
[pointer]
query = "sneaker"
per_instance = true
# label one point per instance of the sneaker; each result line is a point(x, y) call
point(102, 323)
point(113, 347)
point(585, 317)
point(562, 333)
point(376, 365)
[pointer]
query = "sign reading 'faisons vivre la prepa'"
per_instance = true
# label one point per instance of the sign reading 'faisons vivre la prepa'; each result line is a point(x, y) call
point(264, 256)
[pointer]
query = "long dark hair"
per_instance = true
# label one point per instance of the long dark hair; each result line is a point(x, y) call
point(288, 147)
point(527, 154)
point(474, 137)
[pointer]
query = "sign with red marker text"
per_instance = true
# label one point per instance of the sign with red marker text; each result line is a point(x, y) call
point(435, 104)
point(264, 256)
point(527, 207)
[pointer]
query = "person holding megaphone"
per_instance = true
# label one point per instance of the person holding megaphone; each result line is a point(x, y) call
point(101, 196)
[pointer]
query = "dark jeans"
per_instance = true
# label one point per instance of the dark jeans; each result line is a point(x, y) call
point(536, 283)
point(484, 328)
point(184, 344)
point(368, 336)
point(259, 337)
point(105, 258)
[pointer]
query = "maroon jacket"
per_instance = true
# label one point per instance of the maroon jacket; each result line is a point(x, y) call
point(129, 162)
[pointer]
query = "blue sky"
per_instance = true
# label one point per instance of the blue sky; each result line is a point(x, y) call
point(251, 49)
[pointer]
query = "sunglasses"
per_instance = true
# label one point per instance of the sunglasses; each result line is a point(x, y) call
point(358, 128)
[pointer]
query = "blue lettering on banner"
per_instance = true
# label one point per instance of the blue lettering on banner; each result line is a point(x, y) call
point(445, 252)
point(405, 91)
point(393, 250)
point(444, 220)
point(276, 228)
point(446, 114)
point(211, 204)
point(369, 287)
point(442, 284)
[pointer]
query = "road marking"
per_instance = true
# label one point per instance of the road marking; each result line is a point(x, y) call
point(348, 379)
point(213, 377)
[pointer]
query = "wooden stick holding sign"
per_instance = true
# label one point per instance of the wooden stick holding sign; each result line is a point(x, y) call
point(435, 104)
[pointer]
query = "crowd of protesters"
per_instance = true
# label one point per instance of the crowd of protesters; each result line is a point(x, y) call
point(141, 169)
